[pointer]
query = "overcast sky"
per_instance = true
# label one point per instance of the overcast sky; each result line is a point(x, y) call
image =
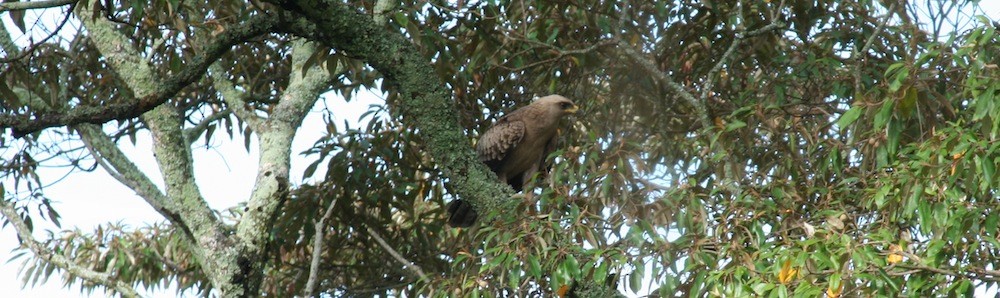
point(224, 172)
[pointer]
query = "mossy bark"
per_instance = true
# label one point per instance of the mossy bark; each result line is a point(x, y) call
point(425, 103)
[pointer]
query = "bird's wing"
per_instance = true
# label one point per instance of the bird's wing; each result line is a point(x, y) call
point(500, 140)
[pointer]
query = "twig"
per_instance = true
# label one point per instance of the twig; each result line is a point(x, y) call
point(61, 261)
point(317, 252)
point(665, 78)
point(34, 46)
point(193, 132)
point(27, 123)
point(868, 44)
point(856, 58)
point(973, 273)
point(560, 53)
point(409, 265)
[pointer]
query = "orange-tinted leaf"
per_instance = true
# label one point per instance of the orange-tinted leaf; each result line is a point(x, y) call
point(787, 273)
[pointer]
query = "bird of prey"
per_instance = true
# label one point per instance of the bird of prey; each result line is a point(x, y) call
point(515, 148)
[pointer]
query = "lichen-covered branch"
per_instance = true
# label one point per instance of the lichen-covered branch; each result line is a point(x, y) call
point(234, 99)
point(272, 184)
point(425, 103)
point(164, 88)
point(7, 6)
point(183, 202)
point(59, 260)
point(114, 161)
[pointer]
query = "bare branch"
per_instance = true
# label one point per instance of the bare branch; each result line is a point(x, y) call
point(320, 226)
point(163, 89)
point(31, 49)
point(416, 270)
point(191, 134)
point(665, 78)
point(59, 260)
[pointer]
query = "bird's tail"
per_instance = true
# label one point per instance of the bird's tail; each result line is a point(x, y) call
point(461, 214)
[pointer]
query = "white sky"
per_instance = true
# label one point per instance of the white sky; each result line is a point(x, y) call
point(225, 174)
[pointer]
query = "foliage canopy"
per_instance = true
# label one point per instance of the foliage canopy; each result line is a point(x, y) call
point(725, 148)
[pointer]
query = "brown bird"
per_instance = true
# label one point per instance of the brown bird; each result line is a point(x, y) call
point(516, 146)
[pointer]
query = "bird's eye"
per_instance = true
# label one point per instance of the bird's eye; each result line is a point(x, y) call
point(565, 105)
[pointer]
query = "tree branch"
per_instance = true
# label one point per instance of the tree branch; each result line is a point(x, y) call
point(59, 260)
point(8, 6)
point(665, 78)
point(416, 270)
point(114, 161)
point(698, 104)
point(234, 99)
point(163, 89)
point(970, 273)
point(424, 102)
point(183, 203)
point(271, 187)
point(317, 252)
point(34, 46)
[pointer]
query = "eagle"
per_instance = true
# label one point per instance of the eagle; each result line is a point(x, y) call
point(515, 148)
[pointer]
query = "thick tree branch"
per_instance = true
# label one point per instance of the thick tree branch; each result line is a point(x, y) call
point(424, 102)
point(271, 187)
point(162, 90)
point(234, 99)
point(200, 224)
point(114, 161)
point(59, 260)
point(183, 202)
point(7, 6)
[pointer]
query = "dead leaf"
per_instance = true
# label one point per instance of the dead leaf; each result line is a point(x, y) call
point(787, 273)
point(894, 254)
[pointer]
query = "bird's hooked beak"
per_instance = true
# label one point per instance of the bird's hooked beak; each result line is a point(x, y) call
point(572, 109)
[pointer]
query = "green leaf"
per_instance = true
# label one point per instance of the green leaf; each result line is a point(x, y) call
point(880, 195)
point(572, 266)
point(849, 117)
point(635, 281)
point(761, 288)
point(601, 271)
point(401, 19)
point(884, 113)
point(534, 267)
point(898, 78)
point(734, 125)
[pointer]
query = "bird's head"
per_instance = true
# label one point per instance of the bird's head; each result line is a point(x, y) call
point(558, 104)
